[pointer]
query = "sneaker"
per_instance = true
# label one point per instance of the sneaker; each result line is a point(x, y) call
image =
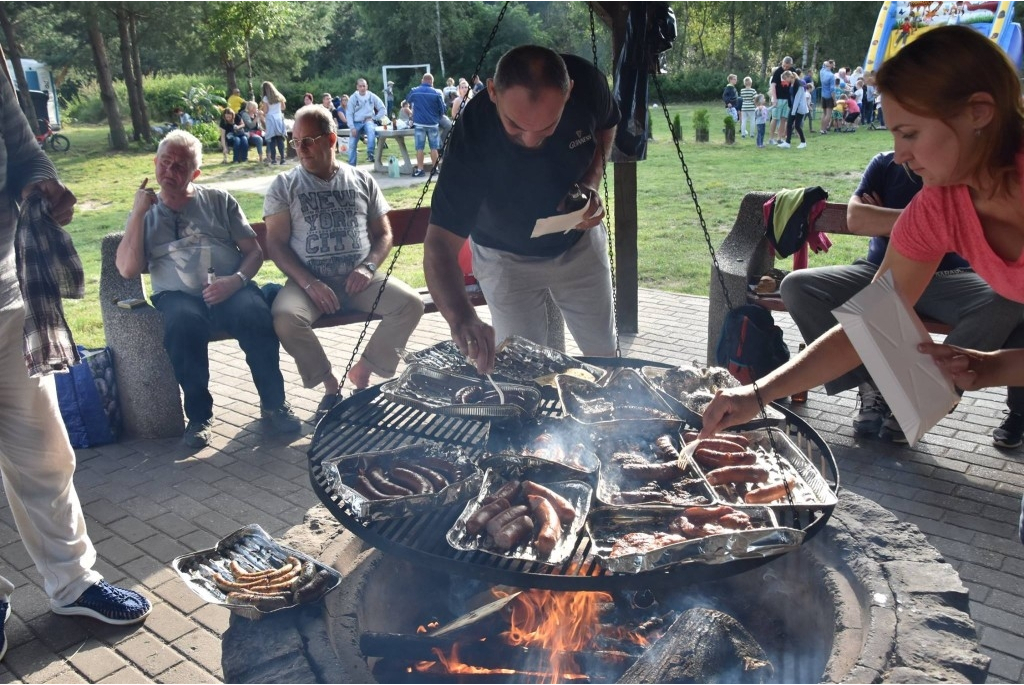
point(801, 146)
point(369, 159)
point(891, 430)
point(783, 143)
point(281, 420)
point(417, 173)
point(198, 433)
point(873, 410)
point(1010, 433)
point(109, 604)
point(5, 613)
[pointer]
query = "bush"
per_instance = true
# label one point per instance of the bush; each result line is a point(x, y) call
point(88, 106)
point(698, 85)
point(208, 134)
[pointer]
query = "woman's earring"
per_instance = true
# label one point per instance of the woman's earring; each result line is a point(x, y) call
point(977, 133)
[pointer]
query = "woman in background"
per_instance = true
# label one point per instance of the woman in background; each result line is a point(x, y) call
point(961, 129)
point(273, 106)
point(252, 119)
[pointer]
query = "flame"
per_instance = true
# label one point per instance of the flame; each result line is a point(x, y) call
point(559, 622)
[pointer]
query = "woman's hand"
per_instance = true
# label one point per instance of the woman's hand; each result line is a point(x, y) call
point(971, 369)
point(730, 407)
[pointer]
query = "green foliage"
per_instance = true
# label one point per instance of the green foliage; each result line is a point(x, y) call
point(87, 107)
point(699, 85)
point(677, 128)
point(208, 134)
point(729, 123)
point(164, 93)
point(201, 103)
point(701, 120)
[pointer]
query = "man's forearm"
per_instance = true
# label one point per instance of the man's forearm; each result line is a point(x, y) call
point(445, 280)
point(131, 252)
point(870, 220)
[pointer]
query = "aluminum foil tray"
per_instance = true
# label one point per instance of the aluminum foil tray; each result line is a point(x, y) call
point(252, 550)
point(434, 391)
point(810, 490)
point(649, 553)
point(689, 389)
point(517, 360)
point(554, 441)
point(617, 487)
point(447, 461)
point(622, 397)
point(576, 492)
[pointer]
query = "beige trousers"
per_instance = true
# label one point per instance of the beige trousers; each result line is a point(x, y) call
point(294, 314)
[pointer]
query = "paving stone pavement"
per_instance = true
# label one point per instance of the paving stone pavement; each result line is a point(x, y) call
point(147, 501)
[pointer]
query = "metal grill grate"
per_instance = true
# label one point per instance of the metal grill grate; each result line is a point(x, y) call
point(369, 422)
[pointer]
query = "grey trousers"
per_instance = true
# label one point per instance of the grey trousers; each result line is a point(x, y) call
point(580, 284)
point(294, 314)
point(980, 318)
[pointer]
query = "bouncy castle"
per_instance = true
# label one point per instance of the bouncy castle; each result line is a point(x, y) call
point(899, 23)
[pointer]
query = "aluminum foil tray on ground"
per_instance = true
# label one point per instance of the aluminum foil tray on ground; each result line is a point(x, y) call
point(251, 550)
point(622, 397)
point(578, 495)
point(439, 392)
point(689, 389)
point(643, 540)
point(636, 472)
point(355, 478)
point(808, 487)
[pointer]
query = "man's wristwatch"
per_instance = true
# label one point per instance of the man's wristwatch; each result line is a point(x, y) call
point(242, 276)
point(369, 266)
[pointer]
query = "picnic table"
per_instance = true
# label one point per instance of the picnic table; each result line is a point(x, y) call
point(379, 162)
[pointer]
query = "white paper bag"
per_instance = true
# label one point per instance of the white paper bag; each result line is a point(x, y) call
point(885, 331)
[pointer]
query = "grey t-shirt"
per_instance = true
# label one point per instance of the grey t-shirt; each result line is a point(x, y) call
point(182, 246)
point(329, 219)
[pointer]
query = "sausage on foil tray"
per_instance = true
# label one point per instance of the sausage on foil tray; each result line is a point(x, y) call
point(517, 513)
point(295, 582)
point(730, 463)
point(404, 478)
point(693, 523)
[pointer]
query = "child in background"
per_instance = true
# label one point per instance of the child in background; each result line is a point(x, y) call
point(730, 109)
point(747, 96)
point(760, 119)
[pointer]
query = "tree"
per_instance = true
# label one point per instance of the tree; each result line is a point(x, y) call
point(132, 78)
point(118, 139)
point(14, 50)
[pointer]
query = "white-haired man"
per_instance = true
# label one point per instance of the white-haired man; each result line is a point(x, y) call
point(202, 255)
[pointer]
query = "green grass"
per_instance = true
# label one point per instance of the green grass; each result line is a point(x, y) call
point(673, 253)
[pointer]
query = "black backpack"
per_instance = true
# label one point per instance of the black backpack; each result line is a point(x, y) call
point(750, 345)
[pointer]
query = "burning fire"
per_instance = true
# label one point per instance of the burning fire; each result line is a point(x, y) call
point(559, 623)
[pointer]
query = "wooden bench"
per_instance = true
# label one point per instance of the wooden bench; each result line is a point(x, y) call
point(745, 255)
point(149, 393)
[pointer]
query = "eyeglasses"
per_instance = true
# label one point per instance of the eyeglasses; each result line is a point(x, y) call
point(305, 142)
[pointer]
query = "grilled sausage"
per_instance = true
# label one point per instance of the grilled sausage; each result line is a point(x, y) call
point(434, 477)
point(509, 491)
point(504, 518)
point(261, 602)
point(737, 474)
point(699, 515)
point(741, 440)
point(446, 468)
point(309, 591)
point(719, 445)
point(380, 482)
point(513, 533)
point(365, 487)
point(470, 394)
point(714, 459)
point(566, 512)
point(770, 493)
point(476, 522)
point(661, 471)
point(666, 450)
point(737, 520)
point(412, 480)
point(547, 523)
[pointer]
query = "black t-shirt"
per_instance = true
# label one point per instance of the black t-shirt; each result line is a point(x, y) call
point(781, 89)
point(495, 190)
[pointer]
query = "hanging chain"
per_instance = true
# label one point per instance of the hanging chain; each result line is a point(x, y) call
point(412, 216)
point(607, 207)
point(693, 192)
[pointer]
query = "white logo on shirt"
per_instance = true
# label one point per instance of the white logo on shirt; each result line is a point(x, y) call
point(580, 139)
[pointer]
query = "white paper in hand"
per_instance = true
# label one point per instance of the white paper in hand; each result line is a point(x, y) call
point(560, 223)
point(885, 331)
